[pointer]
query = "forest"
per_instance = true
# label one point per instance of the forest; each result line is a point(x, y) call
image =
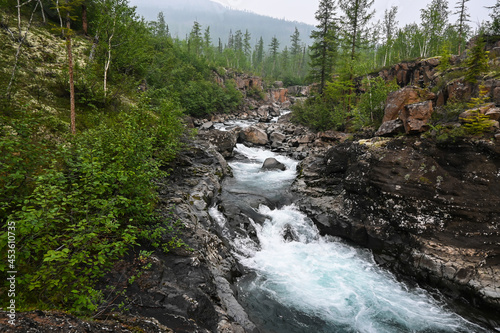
point(93, 102)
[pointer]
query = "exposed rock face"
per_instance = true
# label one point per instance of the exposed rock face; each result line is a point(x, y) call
point(299, 91)
point(418, 73)
point(273, 164)
point(277, 95)
point(391, 128)
point(428, 211)
point(410, 104)
point(416, 116)
point(397, 100)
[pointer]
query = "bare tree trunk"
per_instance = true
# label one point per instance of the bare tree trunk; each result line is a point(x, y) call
point(94, 46)
point(85, 22)
point(108, 61)
point(19, 19)
point(59, 14)
point(43, 12)
point(71, 80)
point(18, 52)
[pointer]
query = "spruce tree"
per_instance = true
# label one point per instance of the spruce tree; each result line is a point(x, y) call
point(477, 60)
point(323, 50)
point(356, 16)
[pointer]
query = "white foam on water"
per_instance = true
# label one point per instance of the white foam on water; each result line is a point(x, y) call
point(337, 285)
point(340, 284)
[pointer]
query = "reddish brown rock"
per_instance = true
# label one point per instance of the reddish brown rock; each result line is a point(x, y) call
point(416, 116)
point(459, 90)
point(493, 113)
point(397, 100)
point(278, 95)
point(332, 136)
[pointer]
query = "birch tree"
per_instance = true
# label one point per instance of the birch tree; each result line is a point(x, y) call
point(389, 30)
point(434, 22)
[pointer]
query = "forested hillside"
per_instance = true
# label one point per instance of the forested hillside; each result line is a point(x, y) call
point(180, 15)
point(350, 50)
point(92, 104)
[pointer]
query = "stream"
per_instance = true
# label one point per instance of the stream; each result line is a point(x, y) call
point(299, 281)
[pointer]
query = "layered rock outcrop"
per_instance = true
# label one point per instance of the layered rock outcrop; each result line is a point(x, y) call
point(428, 211)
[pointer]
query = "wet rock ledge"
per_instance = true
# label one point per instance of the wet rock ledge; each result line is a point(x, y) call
point(429, 211)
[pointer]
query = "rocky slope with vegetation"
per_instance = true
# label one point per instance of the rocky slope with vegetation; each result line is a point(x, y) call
point(114, 217)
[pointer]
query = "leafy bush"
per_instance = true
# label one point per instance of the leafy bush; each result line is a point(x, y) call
point(318, 115)
point(87, 207)
point(202, 98)
point(448, 112)
point(445, 134)
point(371, 104)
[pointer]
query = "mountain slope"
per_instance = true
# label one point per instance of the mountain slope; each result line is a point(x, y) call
point(181, 14)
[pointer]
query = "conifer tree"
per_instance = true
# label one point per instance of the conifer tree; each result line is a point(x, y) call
point(477, 60)
point(259, 53)
point(296, 48)
point(356, 16)
point(324, 47)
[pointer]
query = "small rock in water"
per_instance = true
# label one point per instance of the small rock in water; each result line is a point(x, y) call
point(206, 126)
point(289, 234)
point(272, 164)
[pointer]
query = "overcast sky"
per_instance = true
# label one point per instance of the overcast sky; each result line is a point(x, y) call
point(303, 10)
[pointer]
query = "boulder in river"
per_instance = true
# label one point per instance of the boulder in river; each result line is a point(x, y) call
point(273, 164)
point(254, 135)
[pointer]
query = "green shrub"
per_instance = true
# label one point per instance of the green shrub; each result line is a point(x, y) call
point(371, 104)
point(93, 200)
point(202, 98)
point(478, 123)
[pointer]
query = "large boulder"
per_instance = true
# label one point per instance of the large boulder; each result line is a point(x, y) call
point(391, 128)
point(254, 135)
point(397, 100)
point(416, 117)
point(224, 141)
point(273, 164)
point(277, 137)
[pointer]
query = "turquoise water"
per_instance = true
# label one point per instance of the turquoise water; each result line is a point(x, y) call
point(305, 282)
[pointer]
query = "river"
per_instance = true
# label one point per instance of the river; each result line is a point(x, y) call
point(300, 281)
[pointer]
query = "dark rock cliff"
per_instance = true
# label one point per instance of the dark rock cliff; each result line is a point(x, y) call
point(431, 211)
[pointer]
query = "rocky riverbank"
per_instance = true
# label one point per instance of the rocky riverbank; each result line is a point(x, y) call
point(186, 290)
point(429, 211)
